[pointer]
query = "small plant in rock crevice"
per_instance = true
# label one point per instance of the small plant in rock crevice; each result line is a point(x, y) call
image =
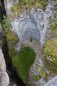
point(5, 23)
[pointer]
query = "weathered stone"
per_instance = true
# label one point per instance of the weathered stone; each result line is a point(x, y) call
point(2, 61)
point(4, 78)
point(33, 25)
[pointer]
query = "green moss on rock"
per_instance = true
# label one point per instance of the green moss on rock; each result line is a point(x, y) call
point(53, 24)
point(23, 62)
point(11, 37)
point(36, 77)
point(50, 48)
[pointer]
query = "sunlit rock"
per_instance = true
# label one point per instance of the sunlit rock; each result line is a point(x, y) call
point(4, 78)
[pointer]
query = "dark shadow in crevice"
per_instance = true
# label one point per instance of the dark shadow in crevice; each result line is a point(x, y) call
point(2, 9)
point(14, 77)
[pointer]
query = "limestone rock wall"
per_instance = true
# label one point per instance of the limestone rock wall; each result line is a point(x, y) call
point(33, 25)
point(4, 78)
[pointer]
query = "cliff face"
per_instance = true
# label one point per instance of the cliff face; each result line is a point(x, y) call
point(33, 26)
point(4, 78)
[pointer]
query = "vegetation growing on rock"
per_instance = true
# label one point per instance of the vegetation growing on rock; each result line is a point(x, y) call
point(5, 23)
point(53, 24)
point(23, 62)
point(36, 77)
point(12, 38)
point(50, 48)
point(50, 53)
point(18, 7)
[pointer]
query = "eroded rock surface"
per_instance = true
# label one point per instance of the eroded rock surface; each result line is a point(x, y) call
point(33, 26)
point(4, 78)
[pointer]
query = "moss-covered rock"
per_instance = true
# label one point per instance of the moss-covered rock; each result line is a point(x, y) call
point(23, 62)
point(11, 36)
point(12, 39)
point(50, 55)
point(36, 77)
point(50, 48)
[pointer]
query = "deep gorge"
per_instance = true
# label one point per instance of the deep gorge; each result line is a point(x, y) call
point(27, 29)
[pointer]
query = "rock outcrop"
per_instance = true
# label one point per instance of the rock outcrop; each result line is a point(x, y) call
point(33, 26)
point(4, 78)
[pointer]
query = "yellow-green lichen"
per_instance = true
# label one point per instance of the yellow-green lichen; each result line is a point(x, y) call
point(41, 71)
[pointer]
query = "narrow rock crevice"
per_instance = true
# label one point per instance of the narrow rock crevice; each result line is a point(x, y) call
point(2, 9)
point(14, 79)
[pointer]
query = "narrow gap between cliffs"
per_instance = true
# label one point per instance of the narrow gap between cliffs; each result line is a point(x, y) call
point(12, 74)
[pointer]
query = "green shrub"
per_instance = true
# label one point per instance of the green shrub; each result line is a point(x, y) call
point(55, 3)
point(36, 77)
point(23, 62)
point(5, 23)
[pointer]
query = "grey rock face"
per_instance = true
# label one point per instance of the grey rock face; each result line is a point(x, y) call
point(4, 78)
point(33, 26)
